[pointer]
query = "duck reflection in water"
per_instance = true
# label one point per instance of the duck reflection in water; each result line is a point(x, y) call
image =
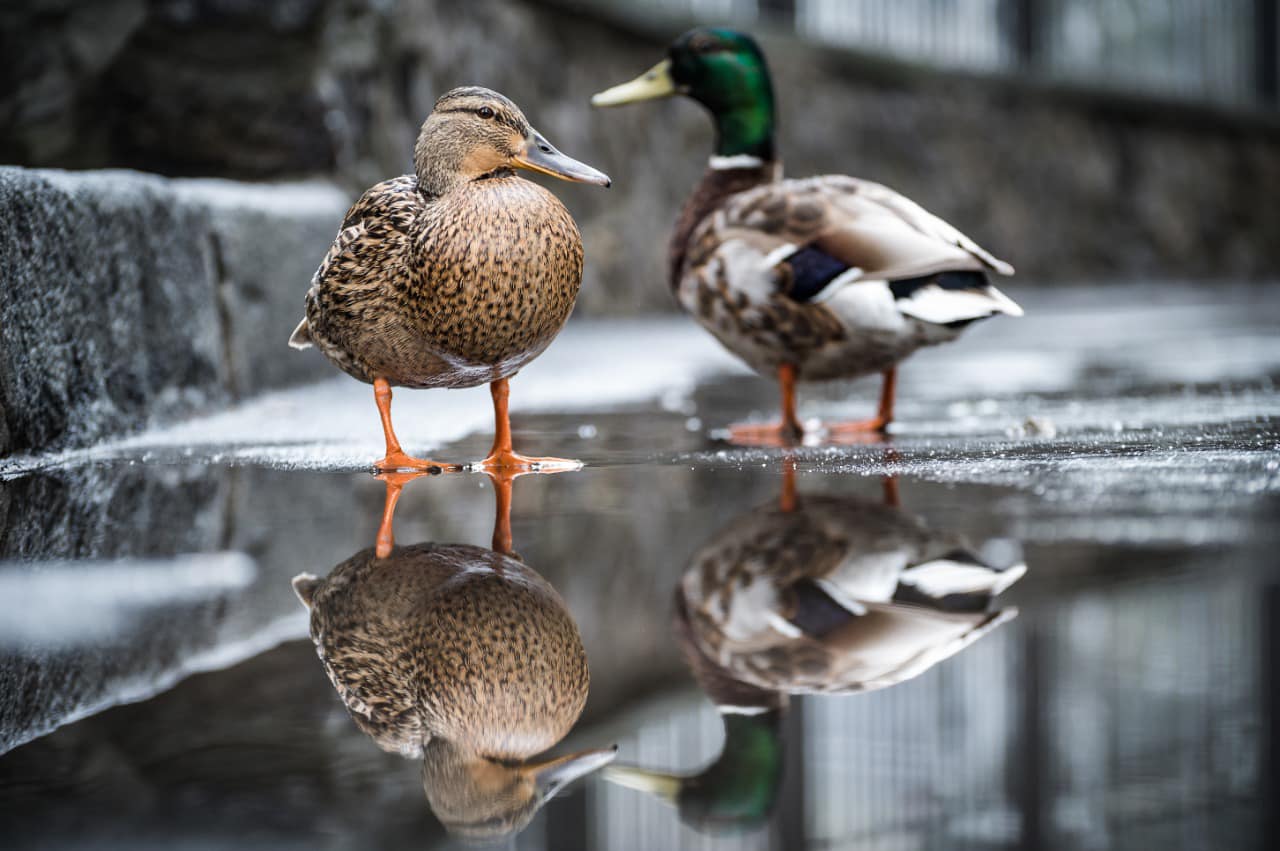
point(462, 656)
point(811, 595)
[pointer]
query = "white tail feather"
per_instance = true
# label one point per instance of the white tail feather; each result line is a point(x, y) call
point(941, 577)
point(940, 306)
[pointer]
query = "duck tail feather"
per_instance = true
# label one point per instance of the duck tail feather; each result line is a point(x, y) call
point(941, 302)
point(301, 336)
point(305, 585)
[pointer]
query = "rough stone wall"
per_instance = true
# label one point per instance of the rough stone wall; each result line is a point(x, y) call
point(128, 298)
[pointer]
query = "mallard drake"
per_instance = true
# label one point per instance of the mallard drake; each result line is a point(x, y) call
point(819, 278)
point(456, 275)
point(464, 657)
point(811, 595)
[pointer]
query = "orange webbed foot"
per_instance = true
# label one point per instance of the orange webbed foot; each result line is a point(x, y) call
point(872, 424)
point(399, 462)
point(875, 428)
point(858, 431)
point(507, 460)
point(779, 435)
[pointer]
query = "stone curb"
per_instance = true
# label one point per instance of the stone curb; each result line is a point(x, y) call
point(127, 298)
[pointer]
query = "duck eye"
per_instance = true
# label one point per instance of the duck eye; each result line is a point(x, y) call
point(484, 112)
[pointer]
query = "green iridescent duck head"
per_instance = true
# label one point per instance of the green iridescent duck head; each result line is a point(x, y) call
point(737, 791)
point(734, 794)
point(721, 69)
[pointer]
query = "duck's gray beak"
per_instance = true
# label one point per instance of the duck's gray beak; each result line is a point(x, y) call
point(540, 155)
point(555, 774)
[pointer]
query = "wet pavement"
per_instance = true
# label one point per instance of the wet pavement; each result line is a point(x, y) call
point(823, 647)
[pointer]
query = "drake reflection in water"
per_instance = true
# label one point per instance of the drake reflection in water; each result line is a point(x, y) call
point(460, 655)
point(812, 595)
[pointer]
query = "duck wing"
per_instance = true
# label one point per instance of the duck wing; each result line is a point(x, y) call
point(372, 244)
point(820, 235)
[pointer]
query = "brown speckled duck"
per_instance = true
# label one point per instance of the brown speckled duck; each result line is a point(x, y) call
point(456, 275)
point(811, 595)
point(463, 657)
point(813, 279)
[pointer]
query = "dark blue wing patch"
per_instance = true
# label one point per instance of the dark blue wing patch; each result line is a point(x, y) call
point(816, 614)
point(811, 270)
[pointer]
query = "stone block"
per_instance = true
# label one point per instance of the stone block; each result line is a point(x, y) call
point(127, 298)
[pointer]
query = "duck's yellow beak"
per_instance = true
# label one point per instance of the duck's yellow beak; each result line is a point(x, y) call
point(664, 786)
point(540, 155)
point(654, 83)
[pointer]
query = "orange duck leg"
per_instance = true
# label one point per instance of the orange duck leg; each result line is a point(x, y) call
point(396, 460)
point(876, 425)
point(502, 456)
point(395, 482)
point(787, 432)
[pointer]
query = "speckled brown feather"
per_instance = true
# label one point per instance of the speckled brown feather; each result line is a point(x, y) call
point(446, 292)
point(714, 188)
point(454, 643)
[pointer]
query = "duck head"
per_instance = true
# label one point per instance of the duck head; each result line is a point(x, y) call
point(721, 69)
point(474, 133)
point(736, 791)
point(482, 798)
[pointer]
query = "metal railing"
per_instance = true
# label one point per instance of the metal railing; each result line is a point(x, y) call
point(1208, 51)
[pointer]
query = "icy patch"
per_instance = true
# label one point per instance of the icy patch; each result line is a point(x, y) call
point(1192, 484)
point(146, 684)
point(280, 198)
point(68, 603)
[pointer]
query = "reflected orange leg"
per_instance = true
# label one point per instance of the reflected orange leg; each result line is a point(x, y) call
point(502, 483)
point(502, 456)
point(890, 485)
point(878, 423)
point(396, 459)
point(395, 482)
point(386, 540)
point(789, 500)
point(787, 432)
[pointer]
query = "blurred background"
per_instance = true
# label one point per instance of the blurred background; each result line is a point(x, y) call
point(1086, 141)
point(1082, 139)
